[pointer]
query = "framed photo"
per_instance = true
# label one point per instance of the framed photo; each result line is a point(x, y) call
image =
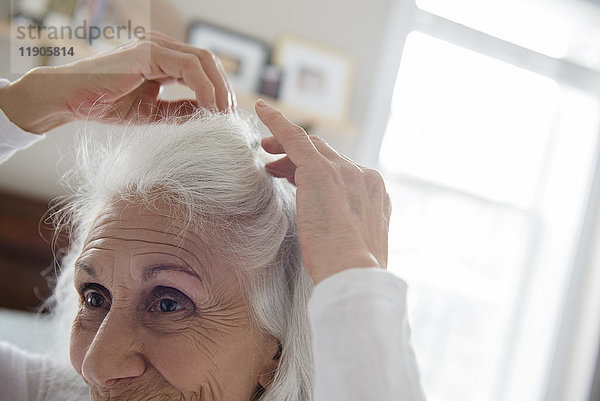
point(315, 78)
point(244, 58)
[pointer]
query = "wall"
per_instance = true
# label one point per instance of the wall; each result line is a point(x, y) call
point(352, 26)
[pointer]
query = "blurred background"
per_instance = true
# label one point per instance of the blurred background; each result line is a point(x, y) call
point(484, 117)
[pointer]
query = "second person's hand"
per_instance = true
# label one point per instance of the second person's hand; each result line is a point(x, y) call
point(118, 86)
point(343, 209)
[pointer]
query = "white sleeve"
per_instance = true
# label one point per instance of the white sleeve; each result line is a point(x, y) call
point(361, 339)
point(13, 138)
point(30, 377)
point(21, 373)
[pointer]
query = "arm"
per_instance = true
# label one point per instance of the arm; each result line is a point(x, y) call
point(361, 341)
point(13, 372)
point(12, 138)
point(343, 209)
point(115, 87)
point(29, 377)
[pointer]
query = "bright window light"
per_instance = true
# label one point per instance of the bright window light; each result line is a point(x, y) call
point(499, 116)
point(538, 26)
point(488, 167)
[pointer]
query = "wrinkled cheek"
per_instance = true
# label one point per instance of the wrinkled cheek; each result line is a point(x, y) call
point(188, 364)
point(79, 345)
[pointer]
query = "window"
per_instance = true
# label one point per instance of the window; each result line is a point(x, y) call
point(489, 165)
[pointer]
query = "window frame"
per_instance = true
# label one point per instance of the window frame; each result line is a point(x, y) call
point(405, 17)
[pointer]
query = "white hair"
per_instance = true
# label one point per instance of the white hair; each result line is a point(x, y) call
point(210, 170)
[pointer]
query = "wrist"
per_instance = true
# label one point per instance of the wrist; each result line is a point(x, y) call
point(327, 268)
point(34, 102)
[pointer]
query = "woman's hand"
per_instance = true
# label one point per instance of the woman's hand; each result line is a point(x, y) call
point(117, 86)
point(343, 209)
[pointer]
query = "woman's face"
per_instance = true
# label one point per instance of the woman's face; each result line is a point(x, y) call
point(160, 319)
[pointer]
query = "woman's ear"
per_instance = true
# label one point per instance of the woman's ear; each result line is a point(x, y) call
point(271, 362)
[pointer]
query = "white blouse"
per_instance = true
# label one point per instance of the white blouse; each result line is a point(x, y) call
point(361, 336)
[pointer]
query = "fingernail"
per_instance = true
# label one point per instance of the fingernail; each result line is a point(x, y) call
point(261, 103)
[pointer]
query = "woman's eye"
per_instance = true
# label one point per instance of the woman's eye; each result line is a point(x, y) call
point(168, 300)
point(168, 305)
point(94, 299)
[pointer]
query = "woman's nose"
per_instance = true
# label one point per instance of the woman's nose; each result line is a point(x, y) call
point(115, 352)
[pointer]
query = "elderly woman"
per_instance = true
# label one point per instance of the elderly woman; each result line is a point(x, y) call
point(196, 271)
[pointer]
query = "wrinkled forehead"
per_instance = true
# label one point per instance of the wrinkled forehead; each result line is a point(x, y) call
point(123, 215)
point(135, 229)
point(134, 219)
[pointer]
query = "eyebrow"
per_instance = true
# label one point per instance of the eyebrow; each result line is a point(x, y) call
point(82, 266)
point(150, 272)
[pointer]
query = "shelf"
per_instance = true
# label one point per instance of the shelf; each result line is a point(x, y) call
point(310, 121)
point(313, 123)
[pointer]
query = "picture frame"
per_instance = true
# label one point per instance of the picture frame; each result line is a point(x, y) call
point(244, 58)
point(315, 78)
